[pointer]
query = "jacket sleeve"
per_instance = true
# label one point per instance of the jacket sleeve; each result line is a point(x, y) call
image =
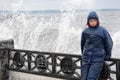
point(108, 44)
point(82, 41)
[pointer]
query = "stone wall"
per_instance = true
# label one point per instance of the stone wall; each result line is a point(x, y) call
point(4, 73)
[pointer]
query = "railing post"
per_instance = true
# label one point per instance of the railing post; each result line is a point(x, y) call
point(29, 61)
point(105, 72)
point(53, 64)
point(118, 70)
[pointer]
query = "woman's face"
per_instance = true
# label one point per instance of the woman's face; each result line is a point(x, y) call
point(93, 22)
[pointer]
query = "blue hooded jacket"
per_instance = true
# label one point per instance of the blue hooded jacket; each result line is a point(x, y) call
point(96, 43)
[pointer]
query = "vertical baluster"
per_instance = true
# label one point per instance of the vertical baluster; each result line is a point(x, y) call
point(118, 70)
point(53, 64)
point(29, 61)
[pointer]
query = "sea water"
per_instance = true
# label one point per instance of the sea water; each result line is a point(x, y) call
point(54, 32)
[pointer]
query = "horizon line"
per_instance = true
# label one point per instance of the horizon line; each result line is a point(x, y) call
point(64, 10)
point(54, 11)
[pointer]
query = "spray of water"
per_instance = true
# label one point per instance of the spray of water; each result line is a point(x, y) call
point(15, 5)
point(116, 46)
point(68, 37)
point(45, 33)
point(52, 33)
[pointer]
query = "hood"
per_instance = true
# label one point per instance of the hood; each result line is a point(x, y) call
point(92, 15)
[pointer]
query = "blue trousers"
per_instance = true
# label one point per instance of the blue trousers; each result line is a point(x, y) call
point(91, 70)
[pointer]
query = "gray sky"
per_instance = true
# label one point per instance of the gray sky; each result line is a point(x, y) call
point(58, 4)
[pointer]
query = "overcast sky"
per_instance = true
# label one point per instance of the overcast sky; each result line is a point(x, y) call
point(58, 4)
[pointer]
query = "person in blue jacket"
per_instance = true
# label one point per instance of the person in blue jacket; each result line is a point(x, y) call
point(96, 46)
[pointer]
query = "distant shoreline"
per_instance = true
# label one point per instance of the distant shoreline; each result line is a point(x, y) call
point(54, 11)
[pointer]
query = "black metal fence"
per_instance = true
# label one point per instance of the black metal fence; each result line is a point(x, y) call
point(58, 65)
point(43, 63)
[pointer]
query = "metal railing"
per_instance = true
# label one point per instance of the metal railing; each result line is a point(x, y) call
point(58, 65)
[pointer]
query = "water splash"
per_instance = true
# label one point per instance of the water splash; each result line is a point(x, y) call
point(43, 33)
point(68, 36)
point(116, 46)
point(15, 5)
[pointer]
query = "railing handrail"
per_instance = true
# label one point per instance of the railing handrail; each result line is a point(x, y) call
point(55, 53)
point(33, 51)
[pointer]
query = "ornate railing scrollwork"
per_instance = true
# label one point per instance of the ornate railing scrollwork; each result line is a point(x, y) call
point(41, 63)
